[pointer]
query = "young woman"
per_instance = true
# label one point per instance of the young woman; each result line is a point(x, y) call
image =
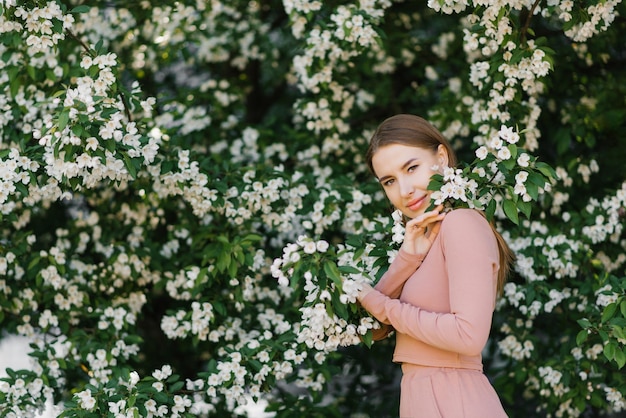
point(440, 291)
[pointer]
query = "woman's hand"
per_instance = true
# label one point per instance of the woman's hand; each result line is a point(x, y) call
point(420, 232)
point(365, 289)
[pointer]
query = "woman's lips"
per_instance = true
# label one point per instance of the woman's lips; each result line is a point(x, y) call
point(415, 203)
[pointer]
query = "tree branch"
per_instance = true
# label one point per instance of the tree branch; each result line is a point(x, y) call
point(92, 53)
point(527, 23)
point(80, 41)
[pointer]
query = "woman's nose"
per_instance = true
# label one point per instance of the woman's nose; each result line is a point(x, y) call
point(406, 188)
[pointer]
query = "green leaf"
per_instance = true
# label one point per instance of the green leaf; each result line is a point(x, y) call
point(239, 255)
point(71, 151)
point(256, 364)
point(177, 386)
point(223, 262)
point(130, 166)
point(232, 270)
point(510, 210)
point(536, 179)
point(64, 117)
point(77, 130)
point(168, 166)
point(434, 185)
point(80, 9)
point(581, 337)
point(618, 332)
point(219, 308)
point(525, 207)
point(368, 338)
point(250, 238)
point(338, 308)
point(32, 73)
point(609, 311)
point(57, 25)
point(98, 47)
point(161, 397)
point(604, 335)
point(223, 239)
point(355, 241)
point(609, 350)
point(349, 270)
point(532, 190)
point(507, 165)
point(619, 357)
point(584, 323)
point(15, 84)
point(491, 209)
point(477, 203)
point(331, 270)
point(546, 170)
point(22, 188)
point(618, 321)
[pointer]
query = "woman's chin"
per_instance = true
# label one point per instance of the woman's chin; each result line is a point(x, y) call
point(412, 214)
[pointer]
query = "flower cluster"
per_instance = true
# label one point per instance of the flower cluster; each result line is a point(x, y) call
point(131, 397)
point(502, 180)
point(349, 34)
point(330, 315)
point(601, 16)
point(155, 159)
point(456, 187)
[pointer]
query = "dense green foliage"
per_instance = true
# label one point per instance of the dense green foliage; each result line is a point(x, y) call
point(156, 160)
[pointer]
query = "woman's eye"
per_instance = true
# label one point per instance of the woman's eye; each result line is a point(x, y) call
point(388, 182)
point(413, 168)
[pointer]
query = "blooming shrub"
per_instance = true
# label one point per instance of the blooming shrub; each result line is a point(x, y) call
point(157, 159)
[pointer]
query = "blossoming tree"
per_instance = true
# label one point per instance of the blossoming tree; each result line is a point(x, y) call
point(186, 213)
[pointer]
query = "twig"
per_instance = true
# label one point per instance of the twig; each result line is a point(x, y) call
point(527, 23)
point(80, 41)
point(494, 175)
point(92, 53)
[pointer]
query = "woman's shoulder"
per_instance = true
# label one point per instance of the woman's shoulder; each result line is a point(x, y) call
point(466, 214)
point(463, 218)
point(467, 229)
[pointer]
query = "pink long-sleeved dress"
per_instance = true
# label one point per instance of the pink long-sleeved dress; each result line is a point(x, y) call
point(441, 308)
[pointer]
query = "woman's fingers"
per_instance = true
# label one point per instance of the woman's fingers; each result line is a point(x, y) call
point(425, 219)
point(420, 232)
point(434, 231)
point(365, 289)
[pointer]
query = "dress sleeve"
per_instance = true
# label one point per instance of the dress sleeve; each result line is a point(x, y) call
point(402, 267)
point(471, 261)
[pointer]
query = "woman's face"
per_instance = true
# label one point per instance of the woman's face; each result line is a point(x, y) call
point(405, 171)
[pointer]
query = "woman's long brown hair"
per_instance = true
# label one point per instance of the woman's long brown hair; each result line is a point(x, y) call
point(415, 131)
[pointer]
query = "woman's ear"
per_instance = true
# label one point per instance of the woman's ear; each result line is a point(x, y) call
point(442, 156)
